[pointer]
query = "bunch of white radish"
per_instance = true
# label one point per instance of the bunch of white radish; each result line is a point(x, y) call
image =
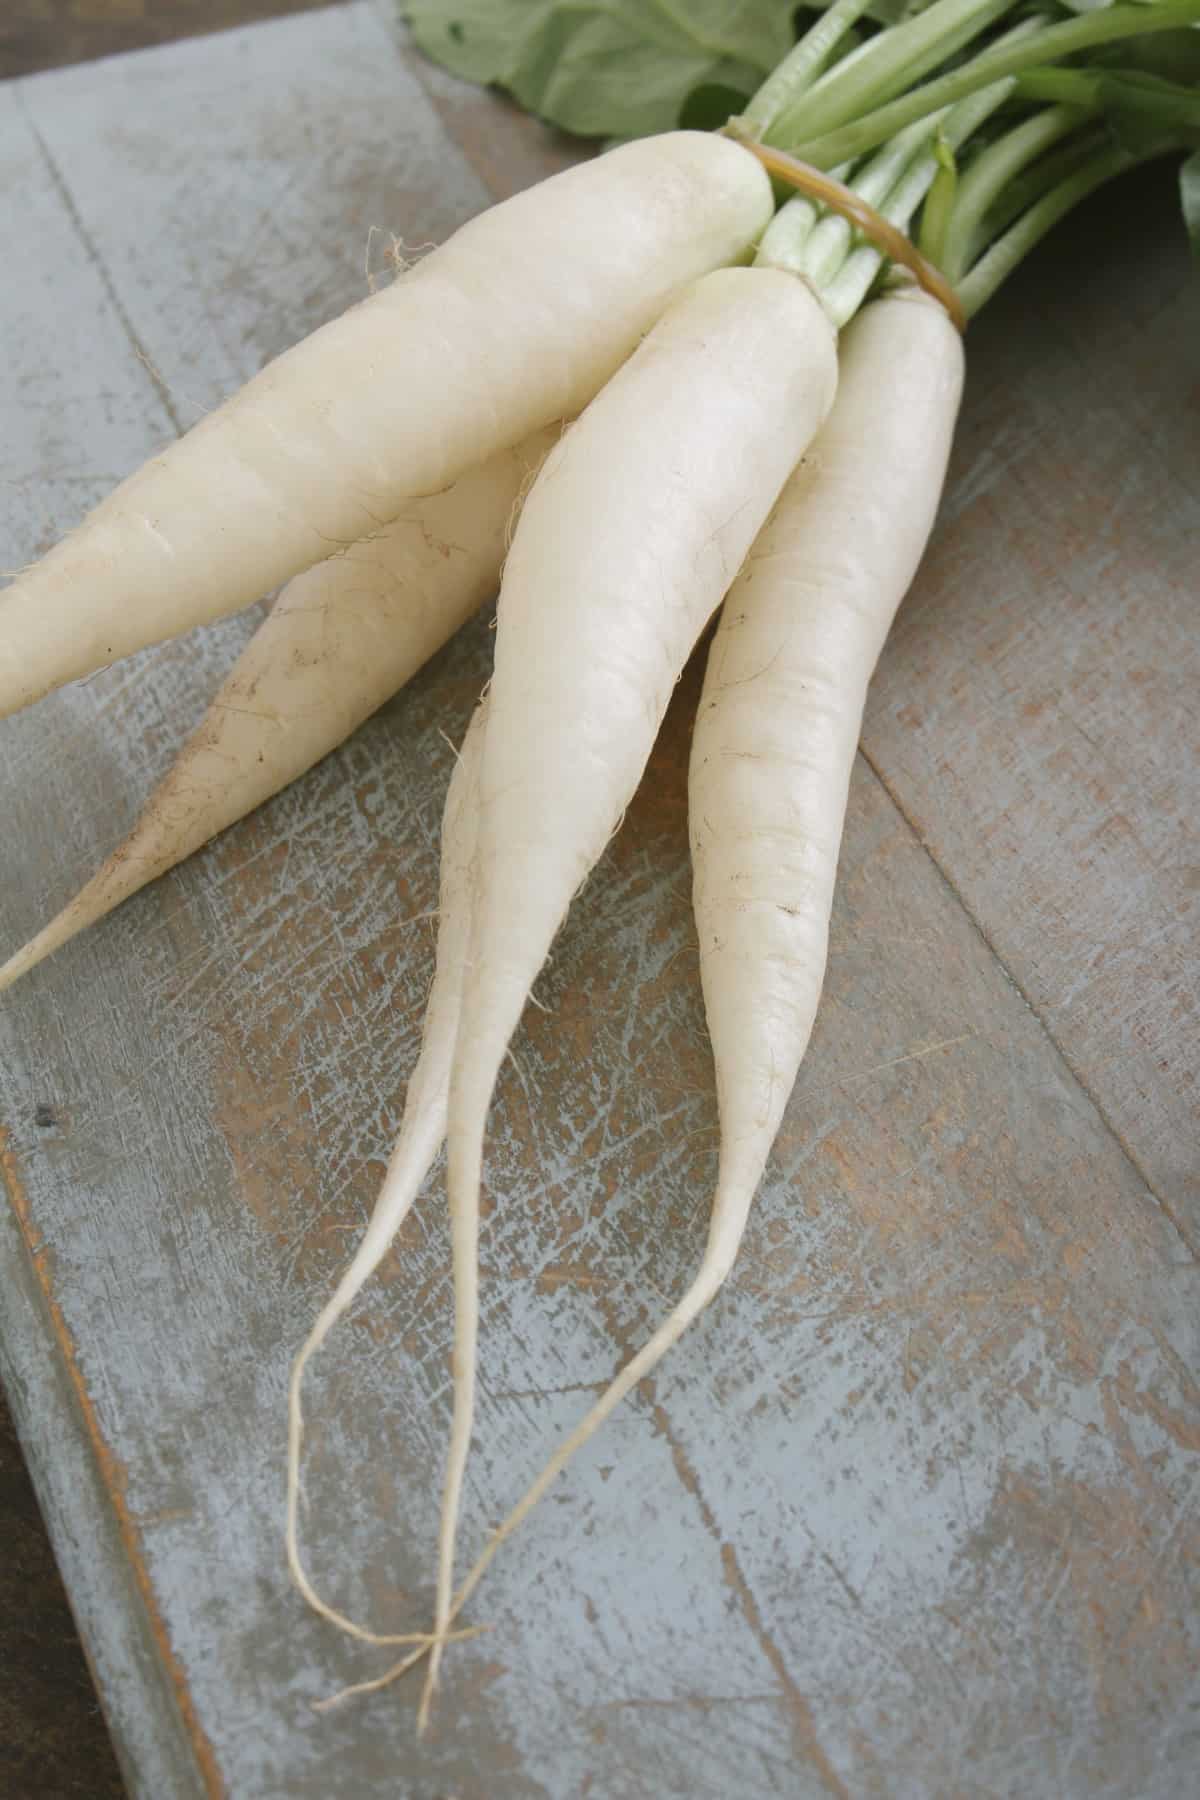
point(776, 732)
point(725, 449)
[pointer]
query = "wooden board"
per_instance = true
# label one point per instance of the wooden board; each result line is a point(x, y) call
point(914, 1510)
point(1040, 729)
point(48, 34)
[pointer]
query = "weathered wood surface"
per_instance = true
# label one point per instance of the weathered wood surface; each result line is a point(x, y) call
point(913, 1512)
point(53, 1739)
point(1040, 726)
point(49, 34)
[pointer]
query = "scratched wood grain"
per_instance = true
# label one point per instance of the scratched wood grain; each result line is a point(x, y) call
point(1040, 729)
point(48, 34)
point(913, 1512)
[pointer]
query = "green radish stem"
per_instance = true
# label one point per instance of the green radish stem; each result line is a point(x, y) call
point(827, 247)
point(340, 640)
point(1002, 257)
point(989, 174)
point(798, 71)
point(1168, 106)
point(939, 205)
point(888, 64)
point(821, 244)
point(946, 131)
point(1052, 44)
point(1035, 181)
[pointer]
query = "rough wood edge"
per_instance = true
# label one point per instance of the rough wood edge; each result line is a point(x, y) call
point(89, 1485)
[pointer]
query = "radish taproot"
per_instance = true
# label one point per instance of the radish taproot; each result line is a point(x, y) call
point(517, 320)
point(625, 547)
point(422, 1128)
point(341, 639)
point(780, 717)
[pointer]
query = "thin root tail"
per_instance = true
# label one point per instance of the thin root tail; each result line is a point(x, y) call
point(425, 1642)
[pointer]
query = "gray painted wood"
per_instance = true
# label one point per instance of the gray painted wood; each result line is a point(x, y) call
point(1041, 729)
point(913, 1510)
point(148, 1733)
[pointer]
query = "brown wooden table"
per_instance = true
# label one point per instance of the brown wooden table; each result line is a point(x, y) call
point(914, 1511)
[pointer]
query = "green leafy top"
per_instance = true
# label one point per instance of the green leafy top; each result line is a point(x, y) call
point(620, 68)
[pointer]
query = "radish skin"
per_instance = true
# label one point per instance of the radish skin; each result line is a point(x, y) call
point(781, 710)
point(422, 1130)
point(626, 546)
point(776, 733)
point(518, 319)
point(341, 639)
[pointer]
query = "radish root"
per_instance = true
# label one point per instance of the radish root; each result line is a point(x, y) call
point(626, 546)
point(422, 1131)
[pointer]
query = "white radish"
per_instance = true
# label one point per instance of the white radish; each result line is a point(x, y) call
point(518, 319)
point(774, 744)
point(626, 545)
point(422, 1128)
point(780, 717)
point(341, 639)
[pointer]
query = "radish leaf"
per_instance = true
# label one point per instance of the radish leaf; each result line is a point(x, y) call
point(623, 68)
point(708, 106)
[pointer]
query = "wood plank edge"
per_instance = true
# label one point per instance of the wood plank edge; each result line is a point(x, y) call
point(36, 38)
point(1168, 1211)
point(162, 1750)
